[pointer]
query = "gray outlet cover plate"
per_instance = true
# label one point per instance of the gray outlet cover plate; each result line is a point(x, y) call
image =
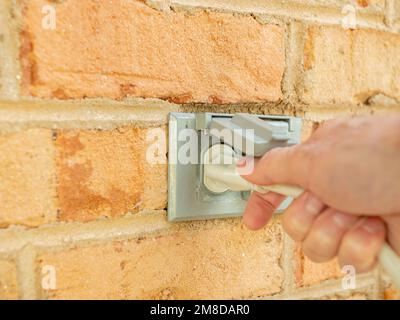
point(188, 198)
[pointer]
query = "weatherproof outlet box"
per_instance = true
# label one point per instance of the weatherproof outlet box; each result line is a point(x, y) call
point(189, 139)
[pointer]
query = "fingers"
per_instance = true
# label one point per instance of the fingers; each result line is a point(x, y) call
point(301, 214)
point(323, 240)
point(326, 233)
point(260, 208)
point(290, 165)
point(362, 243)
point(393, 226)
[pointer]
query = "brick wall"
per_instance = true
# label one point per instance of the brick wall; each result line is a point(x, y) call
point(79, 94)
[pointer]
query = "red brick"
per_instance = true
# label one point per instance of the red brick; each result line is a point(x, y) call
point(27, 178)
point(204, 260)
point(105, 173)
point(125, 48)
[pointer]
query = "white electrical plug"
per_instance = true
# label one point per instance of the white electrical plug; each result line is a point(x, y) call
point(220, 174)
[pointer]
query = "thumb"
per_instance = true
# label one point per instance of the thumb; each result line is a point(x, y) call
point(287, 165)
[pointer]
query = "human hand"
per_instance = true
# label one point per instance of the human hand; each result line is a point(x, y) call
point(350, 169)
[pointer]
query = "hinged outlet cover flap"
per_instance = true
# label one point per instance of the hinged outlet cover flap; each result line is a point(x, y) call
point(190, 138)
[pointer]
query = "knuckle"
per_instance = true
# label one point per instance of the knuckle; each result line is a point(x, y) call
point(320, 251)
point(356, 256)
point(294, 229)
point(360, 266)
point(315, 254)
point(270, 156)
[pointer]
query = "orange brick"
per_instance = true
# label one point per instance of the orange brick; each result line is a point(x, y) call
point(214, 259)
point(391, 293)
point(292, 7)
point(350, 296)
point(105, 173)
point(308, 273)
point(350, 66)
point(397, 13)
point(125, 48)
point(370, 4)
point(27, 178)
point(8, 281)
point(2, 59)
point(358, 5)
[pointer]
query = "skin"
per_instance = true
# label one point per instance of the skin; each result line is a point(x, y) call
point(350, 169)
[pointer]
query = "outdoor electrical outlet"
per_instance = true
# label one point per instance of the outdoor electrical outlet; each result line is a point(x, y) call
point(193, 137)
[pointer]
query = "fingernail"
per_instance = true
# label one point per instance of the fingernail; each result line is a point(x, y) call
point(313, 205)
point(373, 226)
point(241, 162)
point(343, 220)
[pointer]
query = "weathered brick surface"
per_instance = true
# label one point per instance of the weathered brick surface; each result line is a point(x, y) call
point(308, 273)
point(370, 4)
point(350, 66)
point(349, 296)
point(391, 293)
point(8, 280)
point(9, 83)
point(375, 6)
point(397, 13)
point(118, 48)
point(106, 173)
point(3, 47)
point(125, 48)
point(206, 260)
point(27, 175)
point(2, 59)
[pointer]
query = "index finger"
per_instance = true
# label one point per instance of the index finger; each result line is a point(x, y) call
point(287, 165)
